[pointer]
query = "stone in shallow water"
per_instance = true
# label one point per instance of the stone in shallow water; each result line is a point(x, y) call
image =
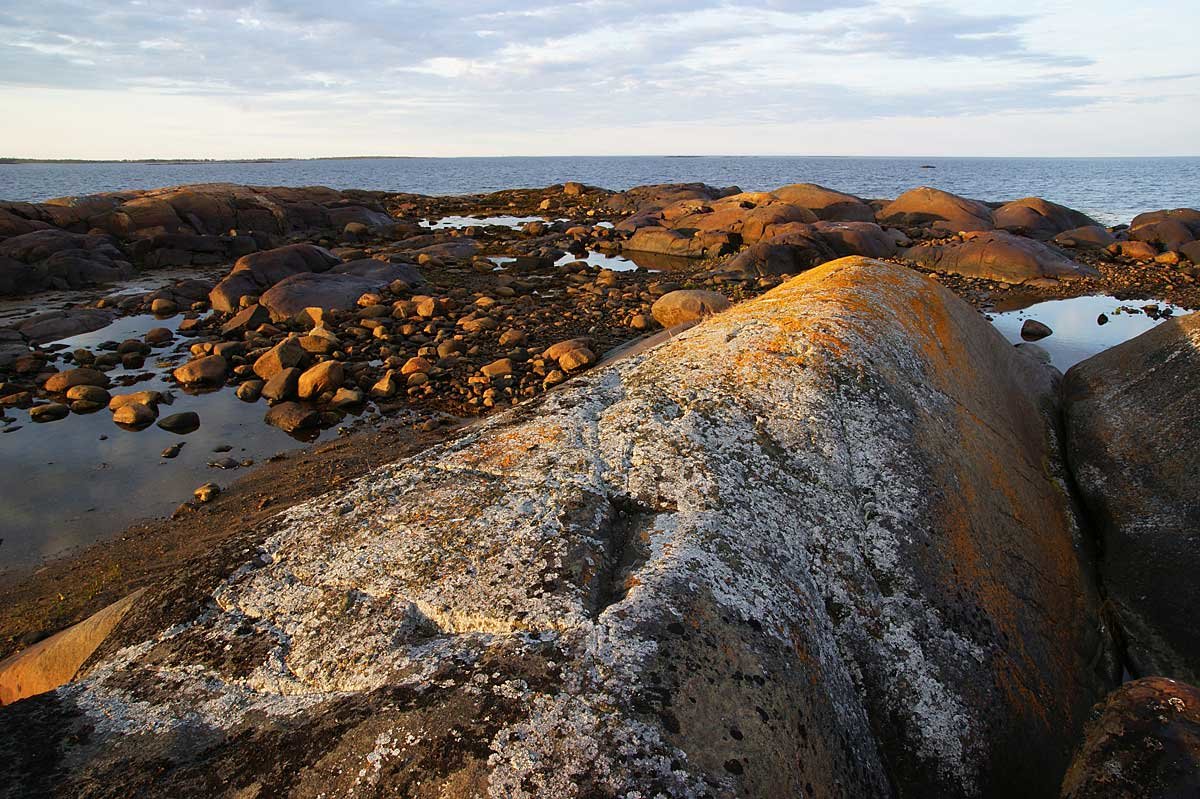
point(180, 423)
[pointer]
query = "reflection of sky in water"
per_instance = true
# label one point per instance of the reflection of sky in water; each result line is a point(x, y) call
point(617, 263)
point(1077, 336)
point(15, 309)
point(65, 487)
point(467, 221)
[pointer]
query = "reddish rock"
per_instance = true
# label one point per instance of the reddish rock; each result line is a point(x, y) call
point(687, 305)
point(1143, 742)
point(940, 210)
point(1000, 256)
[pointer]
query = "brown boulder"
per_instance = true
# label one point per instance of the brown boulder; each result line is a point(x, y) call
point(83, 376)
point(940, 210)
point(687, 305)
point(1038, 218)
point(326, 376)
point(828, 205)
point(684, 244)
point(335, 290)
point(1089, 237)
point(292, 417)
point(1167, 234)
point(207, 371)
point(1000, 256)
point(657, 196)
point(257, 272)
point(786, 254)
point(284, 355)
point(1143, 742)
point(856, 238)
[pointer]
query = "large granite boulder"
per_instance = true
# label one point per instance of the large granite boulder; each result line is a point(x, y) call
point(1169, 230)
point(1038, 218)
point(938, 210)
point(1089, 237)
point(257, 272)
point(682, 244)
point(857, 238)
point(641, 199)
point(819, 544)
point(799, 247)
point(56, 259)
point(828, 205)
point(749, 216)
point(1133, 434)
point(786, 254)
point(1000, 256)
point(337, 289)
point(1142, 743)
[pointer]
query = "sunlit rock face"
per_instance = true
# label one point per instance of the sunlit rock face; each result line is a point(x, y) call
point(819, 544)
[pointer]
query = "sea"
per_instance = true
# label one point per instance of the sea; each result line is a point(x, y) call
point(1111, 190)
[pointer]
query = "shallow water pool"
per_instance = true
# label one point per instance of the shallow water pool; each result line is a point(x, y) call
point(1078, 334)
point(81, 479)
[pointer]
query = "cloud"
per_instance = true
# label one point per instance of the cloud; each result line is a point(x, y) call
point(529, 64)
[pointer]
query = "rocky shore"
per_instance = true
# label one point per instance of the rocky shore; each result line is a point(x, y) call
point(838, 539)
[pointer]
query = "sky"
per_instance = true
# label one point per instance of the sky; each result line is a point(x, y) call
point(309, 78)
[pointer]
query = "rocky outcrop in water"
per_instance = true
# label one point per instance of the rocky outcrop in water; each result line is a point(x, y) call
point(818, 544)
point(1133, 434)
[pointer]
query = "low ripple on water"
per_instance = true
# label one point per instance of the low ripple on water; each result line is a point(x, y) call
point(1113, 190)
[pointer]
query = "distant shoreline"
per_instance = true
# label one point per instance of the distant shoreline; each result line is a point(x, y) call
point(285, 160)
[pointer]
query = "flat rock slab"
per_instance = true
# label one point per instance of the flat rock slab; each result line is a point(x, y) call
point(818, 544)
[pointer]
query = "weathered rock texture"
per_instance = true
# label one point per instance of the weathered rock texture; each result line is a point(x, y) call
point(1133, 435)
point(818, 545)
point(1144, 743)
point(55, 259)
point(1002, 256)
point(54, 661)
point(936, 209)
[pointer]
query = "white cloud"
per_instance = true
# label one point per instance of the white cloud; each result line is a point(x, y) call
point(417, 76)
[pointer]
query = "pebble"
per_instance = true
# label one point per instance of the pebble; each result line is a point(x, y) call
point(207, 492)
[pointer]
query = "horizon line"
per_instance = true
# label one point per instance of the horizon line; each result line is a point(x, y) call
point(18, 160)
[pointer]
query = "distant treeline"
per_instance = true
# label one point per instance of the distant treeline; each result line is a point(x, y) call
point(189, 160)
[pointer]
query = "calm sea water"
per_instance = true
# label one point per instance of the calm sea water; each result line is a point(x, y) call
point(1112, 190)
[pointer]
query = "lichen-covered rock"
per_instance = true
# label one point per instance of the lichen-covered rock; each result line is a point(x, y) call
point(1143, 743)
point(1002, 256)
point(818, 545)
point(1133, 434)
